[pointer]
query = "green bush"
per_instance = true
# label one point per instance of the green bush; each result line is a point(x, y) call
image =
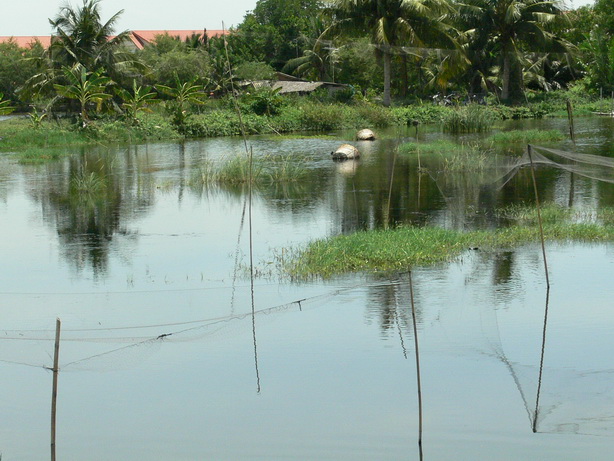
point(321, 117)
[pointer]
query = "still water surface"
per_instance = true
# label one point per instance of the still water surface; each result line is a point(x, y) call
point(161, 358)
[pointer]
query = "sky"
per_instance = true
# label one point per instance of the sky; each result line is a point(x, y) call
point(30, 17)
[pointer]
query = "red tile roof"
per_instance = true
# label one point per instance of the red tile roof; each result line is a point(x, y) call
point(143, 37)
point(140, 38)
point(26, 41)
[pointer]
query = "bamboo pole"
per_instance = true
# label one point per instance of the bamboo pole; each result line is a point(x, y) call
point(394, 161)
point(54, 392)
point(539, 214)
point(413, 315)
point(572, 132)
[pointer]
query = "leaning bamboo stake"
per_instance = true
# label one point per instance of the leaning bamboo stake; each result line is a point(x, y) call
point(539, 214)
point(572, 131)
point(250, 153)
point(394, 162)
point(413, 315)
point(54, 392)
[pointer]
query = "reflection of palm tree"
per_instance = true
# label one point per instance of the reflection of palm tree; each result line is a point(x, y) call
point(89, 199)
point(394, 23)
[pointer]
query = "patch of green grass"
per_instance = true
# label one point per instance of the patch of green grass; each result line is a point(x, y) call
point(406, 247)
point(34, 155)
point(442, 147)
point(525, 136)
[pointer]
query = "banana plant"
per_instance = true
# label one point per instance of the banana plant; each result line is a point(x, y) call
point(89, 88)
point(182, 96)
point(5, 107)
point(139, 100)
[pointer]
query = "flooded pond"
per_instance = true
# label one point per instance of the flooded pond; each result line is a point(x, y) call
point(163, 356)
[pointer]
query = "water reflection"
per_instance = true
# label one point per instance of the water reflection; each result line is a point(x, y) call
point(91, 199)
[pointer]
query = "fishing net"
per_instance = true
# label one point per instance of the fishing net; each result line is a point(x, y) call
point(111, 348)
point(540, 339)
point(481, 181)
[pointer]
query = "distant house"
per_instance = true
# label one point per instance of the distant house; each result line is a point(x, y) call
point(142, 38)
point(289, 84)
point(138, 39)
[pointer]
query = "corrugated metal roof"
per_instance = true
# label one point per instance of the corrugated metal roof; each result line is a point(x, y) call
point(297, 87)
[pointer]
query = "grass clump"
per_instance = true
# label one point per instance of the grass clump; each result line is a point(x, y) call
point(406, 247)
point(525, 136)
point(441, 147)
point(472, 118)
point(236, 170)
point(453, 156)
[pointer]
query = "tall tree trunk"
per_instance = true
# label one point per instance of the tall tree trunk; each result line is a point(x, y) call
point(387, 66)
point(405, 79)
point(505, 93)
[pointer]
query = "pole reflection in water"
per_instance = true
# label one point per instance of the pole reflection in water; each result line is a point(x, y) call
point(413, 316)
point(541, 361)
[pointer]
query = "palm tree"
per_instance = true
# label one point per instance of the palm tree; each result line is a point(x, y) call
point(395, 23)
point(507, 30)
point(81, 38)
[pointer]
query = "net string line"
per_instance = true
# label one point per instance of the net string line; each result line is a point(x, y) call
point(197, 324)
point(579, 163)
point(105, 293)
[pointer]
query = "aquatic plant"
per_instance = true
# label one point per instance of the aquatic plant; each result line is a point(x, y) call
point(236, 170)
point(406, 247)
point(86, 183)
point(454, 156)
point(472, 118)
point(525, 136)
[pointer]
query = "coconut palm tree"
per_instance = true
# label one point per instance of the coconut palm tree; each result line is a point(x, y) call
point(395, 23)
point(506, 30)
point(80, 37)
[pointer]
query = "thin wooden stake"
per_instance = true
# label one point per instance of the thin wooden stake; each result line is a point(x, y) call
point(394, 162)
point(572, 132)
point(539, 214)
point(413, 315)
point(54, 392)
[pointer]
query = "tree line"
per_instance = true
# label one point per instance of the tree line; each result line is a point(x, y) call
point(399, 51)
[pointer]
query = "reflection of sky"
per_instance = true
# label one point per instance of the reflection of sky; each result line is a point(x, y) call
point(333, 386)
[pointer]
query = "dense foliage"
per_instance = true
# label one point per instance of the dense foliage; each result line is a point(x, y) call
point(426, 52)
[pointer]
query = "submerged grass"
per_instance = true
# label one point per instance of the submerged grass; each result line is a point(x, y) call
point(453, 156)
point(236, 170)
point(406, 247)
